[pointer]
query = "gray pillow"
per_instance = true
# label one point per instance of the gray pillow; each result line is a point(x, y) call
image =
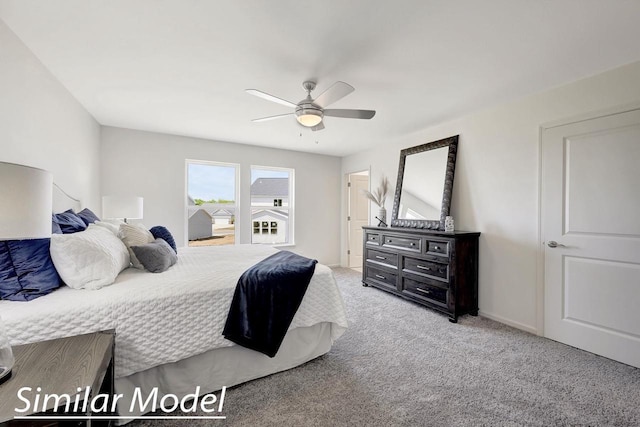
point(156, 256)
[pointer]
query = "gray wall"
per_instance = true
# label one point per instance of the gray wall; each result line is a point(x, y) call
point(42, 125)
point(152, 165)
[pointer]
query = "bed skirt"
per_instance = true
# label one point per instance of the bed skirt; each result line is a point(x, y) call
point(227, 366)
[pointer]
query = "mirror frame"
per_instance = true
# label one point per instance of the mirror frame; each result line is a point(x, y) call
point(452, 143)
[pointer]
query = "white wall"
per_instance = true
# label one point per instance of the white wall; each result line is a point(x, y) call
point(152, 165)
point(42, 125)
point(496, 183)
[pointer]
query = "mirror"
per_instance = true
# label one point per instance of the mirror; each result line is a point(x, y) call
point(425, 183)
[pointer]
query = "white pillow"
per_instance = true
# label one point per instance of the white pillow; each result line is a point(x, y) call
point(109, 226)
point(89, 259)
point(135, 235)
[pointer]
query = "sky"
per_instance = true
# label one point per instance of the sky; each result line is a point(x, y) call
point(208, 182)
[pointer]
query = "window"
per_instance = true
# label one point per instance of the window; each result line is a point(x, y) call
point(211, 203)
point(272, 205)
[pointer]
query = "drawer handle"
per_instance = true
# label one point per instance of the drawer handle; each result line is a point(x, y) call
point(424, 291)
point(413, 244)
point(380, 257)
point(380, 276)
point(372, 238)
point(422, 267)
point(436, 247)
point(389, 241)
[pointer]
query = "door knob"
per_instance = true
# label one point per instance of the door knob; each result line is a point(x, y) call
point(554, 244)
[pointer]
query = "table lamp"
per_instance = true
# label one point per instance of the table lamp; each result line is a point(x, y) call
point(122, 207)
point(25, 213)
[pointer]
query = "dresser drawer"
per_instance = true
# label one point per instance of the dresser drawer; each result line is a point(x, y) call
point(382, 257)
point(435, 247)
point(406, 243)
point(372, 238)
point(424, 290)
point(382, 277)
point(426, 268)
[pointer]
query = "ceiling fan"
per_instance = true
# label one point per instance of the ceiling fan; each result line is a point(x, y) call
point(309, 112)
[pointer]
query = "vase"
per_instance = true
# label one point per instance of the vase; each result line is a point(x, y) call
point(382, 217)
point(6, 355)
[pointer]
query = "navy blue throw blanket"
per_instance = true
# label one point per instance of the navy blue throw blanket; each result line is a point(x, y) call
point(267, 297)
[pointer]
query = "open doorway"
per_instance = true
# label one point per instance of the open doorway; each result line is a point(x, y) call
point(212, 194)
point(357, 216)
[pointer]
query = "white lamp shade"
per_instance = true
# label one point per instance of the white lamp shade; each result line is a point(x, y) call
point(129, 207)
point(25, 202)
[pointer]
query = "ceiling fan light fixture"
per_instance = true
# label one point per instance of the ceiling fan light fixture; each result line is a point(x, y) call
point(310, 112)
point(308, 117)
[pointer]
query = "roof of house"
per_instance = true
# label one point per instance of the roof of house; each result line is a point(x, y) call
point(222, 212)
point(270, 187)
point(193, 212)
point(269, 214)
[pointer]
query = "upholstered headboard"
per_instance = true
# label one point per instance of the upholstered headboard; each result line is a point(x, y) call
point(63, 201)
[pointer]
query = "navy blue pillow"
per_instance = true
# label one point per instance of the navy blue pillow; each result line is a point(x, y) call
point(87, 216)
point(160, 232)
point(26, 269)
point(69, 222)
point(55, 227)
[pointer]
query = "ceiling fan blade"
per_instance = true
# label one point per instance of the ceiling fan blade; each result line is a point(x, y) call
point(350, 114)
point(264, 95)
point(319, 126)
point(337, 91)
point(264, 119)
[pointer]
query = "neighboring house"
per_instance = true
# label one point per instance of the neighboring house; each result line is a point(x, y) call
point(267, 191)
point(200, 221)
point(270, 225)
point(221, 213)
point(199, 224)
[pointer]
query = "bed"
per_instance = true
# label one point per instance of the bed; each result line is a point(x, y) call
point(169, 325)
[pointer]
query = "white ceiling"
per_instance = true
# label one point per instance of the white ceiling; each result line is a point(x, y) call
point(181, 66)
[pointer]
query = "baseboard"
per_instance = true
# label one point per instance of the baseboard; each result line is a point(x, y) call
point(517, 325)
point(333, 265)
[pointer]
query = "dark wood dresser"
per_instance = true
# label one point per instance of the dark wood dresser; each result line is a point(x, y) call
point(433, 268)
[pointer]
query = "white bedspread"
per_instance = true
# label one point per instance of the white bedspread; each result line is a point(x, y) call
point(166, 317)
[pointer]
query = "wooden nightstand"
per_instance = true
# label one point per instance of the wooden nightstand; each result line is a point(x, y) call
point(59, 366)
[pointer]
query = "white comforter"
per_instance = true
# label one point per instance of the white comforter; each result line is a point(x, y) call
point(162, 318)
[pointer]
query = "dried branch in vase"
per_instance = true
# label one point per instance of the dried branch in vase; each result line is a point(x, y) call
point(379, 195)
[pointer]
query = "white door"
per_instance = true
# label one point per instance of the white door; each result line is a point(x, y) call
point(591, 209)
point(358, 217)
